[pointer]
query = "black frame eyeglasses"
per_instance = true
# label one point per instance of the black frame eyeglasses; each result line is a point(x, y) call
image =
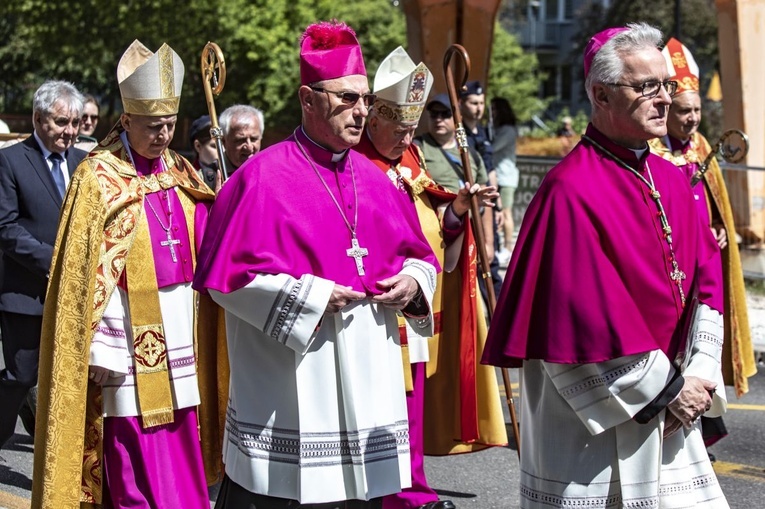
point(651, 88)
point(348, 97)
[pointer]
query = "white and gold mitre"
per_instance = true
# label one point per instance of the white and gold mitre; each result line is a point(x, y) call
point(150, 83)
point(401, 87)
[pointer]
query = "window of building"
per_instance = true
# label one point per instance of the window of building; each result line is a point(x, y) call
point(566, 84)
point(551, 10)
point(549, 85)
point(568, 13)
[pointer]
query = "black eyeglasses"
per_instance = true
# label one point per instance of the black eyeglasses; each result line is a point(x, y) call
point(436, 114)
point(651, 88)
point(92, 118)
point(348, 97)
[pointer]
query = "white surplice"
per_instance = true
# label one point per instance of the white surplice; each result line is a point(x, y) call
point(581, 447)
point(317, 409)
point(112, 348)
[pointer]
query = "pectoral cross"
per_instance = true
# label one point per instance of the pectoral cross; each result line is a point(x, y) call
point(357, 253)
point(170, 243)
point(677, 276)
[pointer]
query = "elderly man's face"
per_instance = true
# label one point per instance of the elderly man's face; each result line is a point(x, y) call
point(336, 123)
point(58, 128)
point(390, 138)
point(637, 118)
point(149, 136)
point(243, 139)
point(684, 115)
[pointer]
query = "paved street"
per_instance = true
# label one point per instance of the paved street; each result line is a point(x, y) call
point(489, 479)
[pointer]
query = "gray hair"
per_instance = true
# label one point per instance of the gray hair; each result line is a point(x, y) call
point(52, 91)
point(607, 65)
point(239, 111)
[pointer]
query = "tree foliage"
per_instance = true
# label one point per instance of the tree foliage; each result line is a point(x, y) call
point(514, 75)
point(698, 25)
point(82, 42)
point(263, 47)
point(698, 31)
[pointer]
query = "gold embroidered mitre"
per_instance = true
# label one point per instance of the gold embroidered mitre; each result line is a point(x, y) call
point(682, 66)
point(401, 87)
point(150, 83)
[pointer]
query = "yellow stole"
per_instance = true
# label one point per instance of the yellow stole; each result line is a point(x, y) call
point(416, 180)
point(102, 228)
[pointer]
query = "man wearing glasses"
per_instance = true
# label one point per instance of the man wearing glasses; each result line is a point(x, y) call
point(311, 253)
point(34, 175)
point(612, 306)
point(401, 88)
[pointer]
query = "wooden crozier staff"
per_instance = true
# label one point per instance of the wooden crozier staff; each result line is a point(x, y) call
point(213, 78)
point(475, 214)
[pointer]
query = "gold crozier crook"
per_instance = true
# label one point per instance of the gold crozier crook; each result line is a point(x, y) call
point(731, 152)
point(213, 78)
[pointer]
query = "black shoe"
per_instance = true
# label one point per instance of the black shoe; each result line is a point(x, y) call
point(28, 411)
point(712, 458)
point(439, 504)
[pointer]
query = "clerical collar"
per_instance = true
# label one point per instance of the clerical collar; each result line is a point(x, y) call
point(675, 274)
point(675, 144)
point(336, 156)
point(143, 165)
point(633, 157)
point(639, 152)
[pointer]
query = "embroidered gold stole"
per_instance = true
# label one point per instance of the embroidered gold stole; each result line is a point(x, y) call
point(102, 232)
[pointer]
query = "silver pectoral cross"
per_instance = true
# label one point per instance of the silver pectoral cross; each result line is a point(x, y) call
point(357, 253)
point(170, 242)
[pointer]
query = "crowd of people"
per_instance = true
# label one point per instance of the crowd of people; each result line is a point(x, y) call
point(303, 333)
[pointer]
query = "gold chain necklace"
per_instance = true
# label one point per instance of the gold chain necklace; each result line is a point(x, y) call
point(676, 275)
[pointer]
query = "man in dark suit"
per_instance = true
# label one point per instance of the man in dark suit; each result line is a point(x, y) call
point(33, 179)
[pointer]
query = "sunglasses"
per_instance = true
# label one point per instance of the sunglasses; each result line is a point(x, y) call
point(348, 97)
point(436, 114)
point(92, 118)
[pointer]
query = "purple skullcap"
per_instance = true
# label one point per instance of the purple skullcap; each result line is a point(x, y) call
point(596, 42)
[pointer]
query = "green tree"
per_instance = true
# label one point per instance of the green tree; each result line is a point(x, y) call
point(259, 39)
point(698, 32)
point(82, 41)
point(514, 75)
point(263, 48)
point(698, 26)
